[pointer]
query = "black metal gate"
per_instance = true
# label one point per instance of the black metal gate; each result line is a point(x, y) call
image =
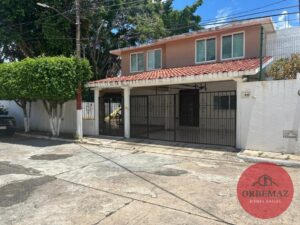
point(190, 116)
point(111, 115)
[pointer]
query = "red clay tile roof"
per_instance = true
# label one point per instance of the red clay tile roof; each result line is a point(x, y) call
point(219, 67)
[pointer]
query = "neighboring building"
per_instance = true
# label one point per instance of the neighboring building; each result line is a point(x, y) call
point(182, 88)
point(283, 43)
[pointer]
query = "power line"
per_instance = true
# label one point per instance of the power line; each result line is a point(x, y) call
point(111, 6)
point(271, 10)
point(247, 11)
point(225, 22)
point(33, 21)
point(137, 34)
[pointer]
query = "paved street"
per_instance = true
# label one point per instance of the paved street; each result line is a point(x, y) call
point(50, 182)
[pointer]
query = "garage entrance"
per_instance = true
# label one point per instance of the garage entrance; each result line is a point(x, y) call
point(189, 116)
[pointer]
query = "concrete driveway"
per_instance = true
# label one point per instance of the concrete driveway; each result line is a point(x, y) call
point(51, 182)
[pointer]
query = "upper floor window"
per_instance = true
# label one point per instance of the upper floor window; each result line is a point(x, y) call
point(206, 50)
point(154, 59)
point(136, 62)
point(233, 46)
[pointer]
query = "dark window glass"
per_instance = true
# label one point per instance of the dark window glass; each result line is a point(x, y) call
point(189, 108)
point(225, 102)
point(233, 102)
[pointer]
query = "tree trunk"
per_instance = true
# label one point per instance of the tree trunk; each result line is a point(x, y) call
point(27, 113)
point(55, 113)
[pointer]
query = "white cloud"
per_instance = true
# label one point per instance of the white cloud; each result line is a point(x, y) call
point(221, 17)
point(283, 21)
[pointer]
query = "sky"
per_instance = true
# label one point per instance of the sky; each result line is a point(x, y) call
point(222, 10)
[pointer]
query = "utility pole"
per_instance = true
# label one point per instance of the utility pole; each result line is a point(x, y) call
point(79, 125)
point(79, 132)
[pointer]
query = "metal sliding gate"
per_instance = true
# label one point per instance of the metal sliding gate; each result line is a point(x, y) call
point(111, 115)
point(190, 116)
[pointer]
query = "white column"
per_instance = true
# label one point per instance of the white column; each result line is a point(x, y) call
point(79, 131)
point(96, 101)
point(126, 112)
point(238, 114)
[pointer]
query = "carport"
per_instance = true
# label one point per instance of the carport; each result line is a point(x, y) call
point(196, 104)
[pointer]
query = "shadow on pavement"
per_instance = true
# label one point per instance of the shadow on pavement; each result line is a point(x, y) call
point(29, 141)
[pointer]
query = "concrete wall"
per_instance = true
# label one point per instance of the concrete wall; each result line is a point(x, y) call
point(268, 111)
point(40, 121)
point(283, 43)
point(15, 111)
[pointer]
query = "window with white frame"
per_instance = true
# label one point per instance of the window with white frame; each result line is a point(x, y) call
point(154, 59)
point(233, 46)
point(136, 62)
point(206, 50)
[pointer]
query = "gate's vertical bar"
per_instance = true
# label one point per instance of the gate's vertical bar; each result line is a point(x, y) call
point(235, 121)
point(109, 112)
point(227, 119)
point(174, 114)
point(147, 110)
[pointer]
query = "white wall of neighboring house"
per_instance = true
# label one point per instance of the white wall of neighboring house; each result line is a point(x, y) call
point(40, 121)
point(268, 116)
point(15, 111)
point(283, 43)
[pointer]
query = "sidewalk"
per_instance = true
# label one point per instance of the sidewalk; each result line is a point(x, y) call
point(152, 146)
point(181, 149)
point(281, 159)
point(164, 147)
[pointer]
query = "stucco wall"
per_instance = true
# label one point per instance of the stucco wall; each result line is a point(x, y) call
point(40, 122)
point(283, 43)
point(182, 52)
point(271, 108)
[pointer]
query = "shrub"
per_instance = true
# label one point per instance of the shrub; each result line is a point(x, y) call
point(286, 68)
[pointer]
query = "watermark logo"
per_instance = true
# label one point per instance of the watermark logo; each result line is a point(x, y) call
point(265, 190)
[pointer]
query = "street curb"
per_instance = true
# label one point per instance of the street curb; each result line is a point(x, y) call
point(253, 159)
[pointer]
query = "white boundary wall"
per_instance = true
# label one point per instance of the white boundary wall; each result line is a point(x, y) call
point(266, 112)
point(40, 122)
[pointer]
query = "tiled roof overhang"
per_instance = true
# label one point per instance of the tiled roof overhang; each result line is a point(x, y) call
point(226, 70)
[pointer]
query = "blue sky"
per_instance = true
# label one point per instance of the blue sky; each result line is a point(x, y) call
point(223, 9)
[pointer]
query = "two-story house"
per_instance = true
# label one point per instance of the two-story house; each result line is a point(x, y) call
point(182, 88)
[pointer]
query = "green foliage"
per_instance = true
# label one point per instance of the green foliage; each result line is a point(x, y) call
point(286, 68)
point(53, 79)
point(9, 80)
point(27, 30)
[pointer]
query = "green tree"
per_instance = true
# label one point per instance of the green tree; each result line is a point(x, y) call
point(27, 30)
point(13, 88)
point(286, 68)
point(54, 80)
